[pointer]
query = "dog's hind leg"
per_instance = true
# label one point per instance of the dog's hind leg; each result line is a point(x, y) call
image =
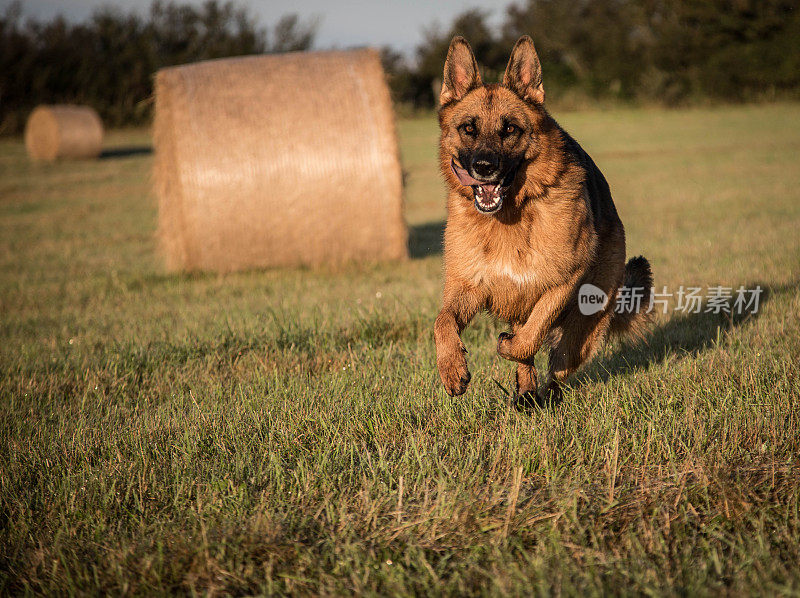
point(578, 339)
point(526, 398)
point(527, 380)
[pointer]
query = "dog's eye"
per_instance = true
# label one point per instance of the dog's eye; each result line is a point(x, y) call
point(509, 129)
point(468, 128)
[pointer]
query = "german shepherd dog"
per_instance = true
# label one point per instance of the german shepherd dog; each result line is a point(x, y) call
point(530, 221)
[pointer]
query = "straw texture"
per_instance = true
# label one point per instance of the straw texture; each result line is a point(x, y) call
point(276, 161)
point(63, 132)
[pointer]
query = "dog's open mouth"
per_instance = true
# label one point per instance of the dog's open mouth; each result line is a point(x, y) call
point(488, 196)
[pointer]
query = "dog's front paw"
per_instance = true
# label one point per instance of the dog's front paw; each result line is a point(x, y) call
point(504, 345)
point(454, 373)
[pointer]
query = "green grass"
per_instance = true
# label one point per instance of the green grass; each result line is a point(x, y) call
point(286, 431)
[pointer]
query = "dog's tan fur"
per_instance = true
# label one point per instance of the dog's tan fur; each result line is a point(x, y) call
point(557, 229)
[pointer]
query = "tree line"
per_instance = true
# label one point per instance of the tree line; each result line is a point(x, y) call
point(665, 51)
point(108, 62)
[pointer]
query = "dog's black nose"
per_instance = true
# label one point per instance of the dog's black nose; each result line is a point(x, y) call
point(485, 165)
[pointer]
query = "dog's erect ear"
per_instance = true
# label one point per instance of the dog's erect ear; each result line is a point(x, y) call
point(460, 72)
point(524, 72)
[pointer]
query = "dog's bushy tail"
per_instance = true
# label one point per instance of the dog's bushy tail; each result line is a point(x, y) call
point(633, 317)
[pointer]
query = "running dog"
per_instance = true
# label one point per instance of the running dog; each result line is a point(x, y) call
point(530, 223)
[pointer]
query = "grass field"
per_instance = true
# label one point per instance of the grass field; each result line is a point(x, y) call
point(286, 431)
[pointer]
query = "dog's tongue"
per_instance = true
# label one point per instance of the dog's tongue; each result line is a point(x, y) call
point(487, 195)
point(488, 189)
point(464, 177)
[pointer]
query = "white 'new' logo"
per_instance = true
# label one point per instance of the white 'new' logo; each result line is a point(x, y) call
point(591, 299)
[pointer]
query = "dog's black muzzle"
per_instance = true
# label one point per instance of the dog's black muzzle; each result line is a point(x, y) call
point(489, 191)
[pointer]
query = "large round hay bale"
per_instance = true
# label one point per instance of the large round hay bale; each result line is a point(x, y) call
point(63, 132)
point(277, 160)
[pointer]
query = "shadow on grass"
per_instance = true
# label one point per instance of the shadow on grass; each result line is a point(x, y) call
point(126, 152)
point(425, 239)
point(683, 334)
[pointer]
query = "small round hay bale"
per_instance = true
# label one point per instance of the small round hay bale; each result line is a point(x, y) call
point(277, 161)
point(63, 132)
